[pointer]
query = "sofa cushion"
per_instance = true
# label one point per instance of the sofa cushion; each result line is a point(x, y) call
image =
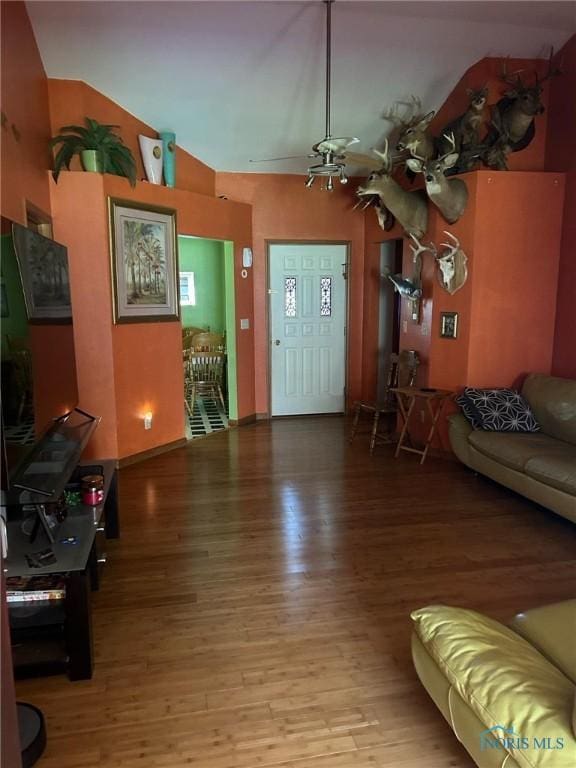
point(514, 449)
point(557, 470)
point(506, 681)
point(501, 410)
point(468, 411)
point(553, 401)
point(552, 629)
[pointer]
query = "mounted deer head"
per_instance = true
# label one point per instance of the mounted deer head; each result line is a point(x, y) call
point(412, 128)
point(450, 196)
point(409, 208)
point(513, 116)
point(453, 272)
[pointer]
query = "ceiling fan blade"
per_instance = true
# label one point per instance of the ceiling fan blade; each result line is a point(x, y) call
point(337, 144)
point(274, 159)
point(367, 161)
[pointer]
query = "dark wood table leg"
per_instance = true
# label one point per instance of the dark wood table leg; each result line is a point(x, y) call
point(79, 626)
point(111, 518)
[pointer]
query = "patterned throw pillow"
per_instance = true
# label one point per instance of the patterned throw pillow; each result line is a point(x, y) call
point(468, 411)
point(501, 410)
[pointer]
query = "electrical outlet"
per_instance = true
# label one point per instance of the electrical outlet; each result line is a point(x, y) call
point(148, 421)
point(404, 326)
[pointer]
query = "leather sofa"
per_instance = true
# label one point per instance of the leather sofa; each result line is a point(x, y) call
point(507, 693)
point(539, 465)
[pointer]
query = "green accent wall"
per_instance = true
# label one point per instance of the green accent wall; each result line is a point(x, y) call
point(206, 259)
point(16, 322)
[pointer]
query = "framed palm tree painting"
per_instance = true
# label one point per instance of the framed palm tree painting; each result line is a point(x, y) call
point(144, 251)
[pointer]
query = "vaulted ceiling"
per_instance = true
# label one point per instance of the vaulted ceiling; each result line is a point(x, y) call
point(244, 80)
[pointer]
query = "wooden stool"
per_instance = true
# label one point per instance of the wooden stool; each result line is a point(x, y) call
point(377, 409)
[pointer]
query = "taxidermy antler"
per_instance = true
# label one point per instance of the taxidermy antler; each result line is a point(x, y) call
point(450, 196)
point(413, 129)
point(513, 116)
point(409, 208)
point(452, 264)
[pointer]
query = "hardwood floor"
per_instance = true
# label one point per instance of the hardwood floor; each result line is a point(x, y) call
point(255, 611)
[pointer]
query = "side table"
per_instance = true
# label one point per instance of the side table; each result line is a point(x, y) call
point(407, 397)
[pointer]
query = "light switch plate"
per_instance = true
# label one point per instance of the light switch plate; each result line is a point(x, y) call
point(244, 324)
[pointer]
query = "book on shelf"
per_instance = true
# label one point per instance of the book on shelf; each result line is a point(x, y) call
point(34, 596)
point(28, 589)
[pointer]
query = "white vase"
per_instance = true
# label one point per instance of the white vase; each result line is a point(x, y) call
point(151, 150)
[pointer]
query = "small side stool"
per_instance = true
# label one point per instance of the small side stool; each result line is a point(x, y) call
point(377, 410)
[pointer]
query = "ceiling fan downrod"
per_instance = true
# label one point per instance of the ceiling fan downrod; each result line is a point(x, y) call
point(331, 165)
point(328, 63)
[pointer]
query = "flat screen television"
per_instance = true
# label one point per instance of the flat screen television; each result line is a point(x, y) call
point(37, 340)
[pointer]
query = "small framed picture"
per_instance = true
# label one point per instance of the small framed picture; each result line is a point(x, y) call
point(448, 325)
point(144, 255)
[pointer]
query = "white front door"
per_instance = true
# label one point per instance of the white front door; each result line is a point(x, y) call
point(307, 328)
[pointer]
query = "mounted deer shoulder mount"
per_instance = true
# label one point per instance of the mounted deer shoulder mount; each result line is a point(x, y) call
point(452, 270)
point(409, 208)
point(512, 126)
point(412, 128)
point(450, 196)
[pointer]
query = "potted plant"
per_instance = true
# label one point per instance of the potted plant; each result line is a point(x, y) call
point(100, 149)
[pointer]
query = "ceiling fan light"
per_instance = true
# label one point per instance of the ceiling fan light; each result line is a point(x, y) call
point(309, 181)
point(329, 184)
point(343, 178)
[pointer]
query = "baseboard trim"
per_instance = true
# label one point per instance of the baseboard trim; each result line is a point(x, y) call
point(134, 458)
point(243, 421)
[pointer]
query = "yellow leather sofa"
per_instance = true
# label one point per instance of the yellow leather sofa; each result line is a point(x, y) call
point(539, 465)
point(507, 692)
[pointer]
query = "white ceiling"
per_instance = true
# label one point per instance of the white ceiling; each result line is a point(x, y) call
point(241, 80)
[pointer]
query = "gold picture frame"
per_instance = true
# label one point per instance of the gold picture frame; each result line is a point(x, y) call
point(144, 256)
point(449, 325)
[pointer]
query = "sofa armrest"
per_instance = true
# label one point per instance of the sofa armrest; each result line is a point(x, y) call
point(459, 430)
point(505, 681)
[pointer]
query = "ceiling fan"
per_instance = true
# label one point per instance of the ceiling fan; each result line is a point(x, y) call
point(330, 151)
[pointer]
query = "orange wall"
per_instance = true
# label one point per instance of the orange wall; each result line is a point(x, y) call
point(283, 209)
point(26, 133)
point(72, 100)
point(515, 263)
point(561, 156)
point(53, 363)
point(125, 370)
point(80, 222)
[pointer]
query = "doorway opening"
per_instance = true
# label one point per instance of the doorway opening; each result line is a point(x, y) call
point(207, 312)
point(307, 325)
point(388, 311)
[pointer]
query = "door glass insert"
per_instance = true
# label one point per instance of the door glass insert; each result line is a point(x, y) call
point(290, 296)
point(325, 296)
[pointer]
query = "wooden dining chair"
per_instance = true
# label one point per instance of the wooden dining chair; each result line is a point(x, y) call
point(204, 378)
point(401, 372)
point(188, 334)
point(206, 341)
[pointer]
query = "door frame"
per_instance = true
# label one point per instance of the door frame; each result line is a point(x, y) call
point(232, 362)
point(347, 272)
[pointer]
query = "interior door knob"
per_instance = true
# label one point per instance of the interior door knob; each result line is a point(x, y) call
point(277, 342)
